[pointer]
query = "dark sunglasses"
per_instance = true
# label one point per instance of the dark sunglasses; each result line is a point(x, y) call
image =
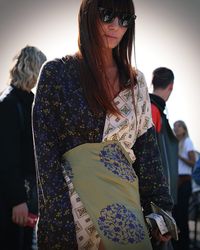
point(108, 16)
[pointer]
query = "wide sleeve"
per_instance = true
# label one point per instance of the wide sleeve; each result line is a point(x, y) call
point(56, 228)
point(152, 182)
point(12, 188)
point(189, 145)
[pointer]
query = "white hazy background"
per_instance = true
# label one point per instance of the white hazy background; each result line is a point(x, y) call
point(167, 34)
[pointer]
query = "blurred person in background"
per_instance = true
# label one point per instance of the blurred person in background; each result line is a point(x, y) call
point(163, 82)
point(17, 169)
point(186, 163)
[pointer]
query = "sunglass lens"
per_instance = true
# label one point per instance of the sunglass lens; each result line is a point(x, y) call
point(106, 15)
point(125, 20)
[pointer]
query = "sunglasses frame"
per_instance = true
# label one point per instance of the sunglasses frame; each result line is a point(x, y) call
point(113, 14)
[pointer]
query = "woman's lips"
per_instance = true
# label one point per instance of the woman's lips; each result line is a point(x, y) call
point(110, 36)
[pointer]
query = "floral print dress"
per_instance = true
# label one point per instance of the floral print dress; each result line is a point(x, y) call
point(125, 130)
point(63, 120)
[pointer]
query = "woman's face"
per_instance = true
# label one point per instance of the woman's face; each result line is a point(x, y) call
point(179, 130)
point(111, 33)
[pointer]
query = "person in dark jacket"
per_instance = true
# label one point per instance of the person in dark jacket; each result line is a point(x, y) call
point(17, 168)
point(162, 81)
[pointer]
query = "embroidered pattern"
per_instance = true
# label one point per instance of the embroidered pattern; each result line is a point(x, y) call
point(86, 234)
point(120, 225)
point(124, 128)
point(114, 160)
point(67, 170)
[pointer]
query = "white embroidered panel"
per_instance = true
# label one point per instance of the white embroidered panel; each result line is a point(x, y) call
point(124, 128)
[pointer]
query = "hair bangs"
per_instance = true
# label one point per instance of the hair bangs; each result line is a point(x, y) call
point(118, 5)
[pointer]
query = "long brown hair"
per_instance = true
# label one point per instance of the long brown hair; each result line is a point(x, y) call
point(182, 124)
point(93, 74)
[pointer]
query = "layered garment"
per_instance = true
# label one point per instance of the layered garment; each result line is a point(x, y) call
point(65, 125)
point(108, 168)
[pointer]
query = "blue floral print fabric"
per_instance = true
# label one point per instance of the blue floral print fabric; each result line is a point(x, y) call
point(112, 158)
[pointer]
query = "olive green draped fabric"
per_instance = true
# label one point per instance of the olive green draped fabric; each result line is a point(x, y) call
point(106, 183)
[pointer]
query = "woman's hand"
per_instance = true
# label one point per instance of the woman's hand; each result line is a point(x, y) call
point(20, 214)
point(159, 237)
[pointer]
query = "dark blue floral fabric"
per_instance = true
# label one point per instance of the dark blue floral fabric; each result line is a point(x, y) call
point(152, 182)
point(113, 159)
point(120, 224)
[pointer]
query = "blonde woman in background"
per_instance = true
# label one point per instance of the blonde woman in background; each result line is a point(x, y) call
point(185, 165)
point(17, 168)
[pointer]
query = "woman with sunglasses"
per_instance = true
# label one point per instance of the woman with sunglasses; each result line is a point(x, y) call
point(92, 125)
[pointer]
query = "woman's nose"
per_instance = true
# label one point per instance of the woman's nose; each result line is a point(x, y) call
point(115, 23)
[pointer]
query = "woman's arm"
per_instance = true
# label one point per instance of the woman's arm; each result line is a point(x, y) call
point(152, 182)
point(190, 161)
point(56, 228)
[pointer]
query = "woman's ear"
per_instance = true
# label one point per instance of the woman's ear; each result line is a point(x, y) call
point(170, 86)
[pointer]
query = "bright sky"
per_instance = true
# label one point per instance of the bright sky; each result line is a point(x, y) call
point(167, 34)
